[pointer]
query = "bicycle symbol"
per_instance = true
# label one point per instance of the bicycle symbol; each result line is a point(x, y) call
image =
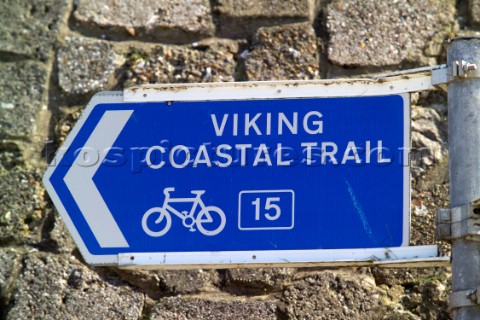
point(204, 220)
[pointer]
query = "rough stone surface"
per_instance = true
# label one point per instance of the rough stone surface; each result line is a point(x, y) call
point(263, 279)
point(57, 287)
point(165, 20)
point(474, 9)
point(189, 281)
point(67, 119)
point(149, 282)
point(9, 266)
point(429, 167)
point(156, 283)
point(29, 28)
point(400, 314)
point(22, 96)
point(424, 207)
point(428, 299)
point(86, 65)
point(22, 205)
point(284, 52)
point(10, 155)
point(183, 308)
point(244, 17)
point(332, 295)
point(393, 277)
point(381, 33)
point(416, 293)
point(59, 238)
point(429, 142)
point(173, 64)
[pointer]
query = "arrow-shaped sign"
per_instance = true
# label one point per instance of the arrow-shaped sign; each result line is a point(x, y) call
point(235, 180)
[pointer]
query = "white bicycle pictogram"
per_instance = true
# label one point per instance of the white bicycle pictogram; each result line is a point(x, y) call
point(204, 220)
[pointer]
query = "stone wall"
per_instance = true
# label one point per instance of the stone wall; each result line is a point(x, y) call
point(55, 54)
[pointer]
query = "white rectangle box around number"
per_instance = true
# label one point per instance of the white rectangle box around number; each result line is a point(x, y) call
point(269, 210)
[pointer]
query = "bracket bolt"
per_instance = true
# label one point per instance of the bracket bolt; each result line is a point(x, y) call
point(469, 67)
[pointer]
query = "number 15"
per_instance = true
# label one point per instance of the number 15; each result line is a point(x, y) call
point(268, 205)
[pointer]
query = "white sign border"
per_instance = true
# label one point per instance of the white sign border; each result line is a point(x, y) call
point(257, 90)
point(415, 256)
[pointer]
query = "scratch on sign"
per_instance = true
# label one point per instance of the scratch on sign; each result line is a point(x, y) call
point(361, 214)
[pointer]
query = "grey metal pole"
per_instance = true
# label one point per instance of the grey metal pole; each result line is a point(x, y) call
point(464, 163)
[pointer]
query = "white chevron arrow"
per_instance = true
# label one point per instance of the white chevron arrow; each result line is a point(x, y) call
point(79, 180)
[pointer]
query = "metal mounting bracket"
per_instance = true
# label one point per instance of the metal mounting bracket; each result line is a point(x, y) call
point(459, 222)
point(458, 70)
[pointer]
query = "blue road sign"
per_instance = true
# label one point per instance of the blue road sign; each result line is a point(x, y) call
point(234, 176)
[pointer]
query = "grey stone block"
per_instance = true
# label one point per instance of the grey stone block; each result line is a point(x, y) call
point(240, 18)
point(164, 20)
point(22, 96)
point(186, 308)
point(332, 295)
point(189, 281)
point(58, 287)
point(382, 33)
point(177, 64)
point(283, 53)
point(156, 283)
point(262, 278)
point(85, 65)
point(30, 28)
